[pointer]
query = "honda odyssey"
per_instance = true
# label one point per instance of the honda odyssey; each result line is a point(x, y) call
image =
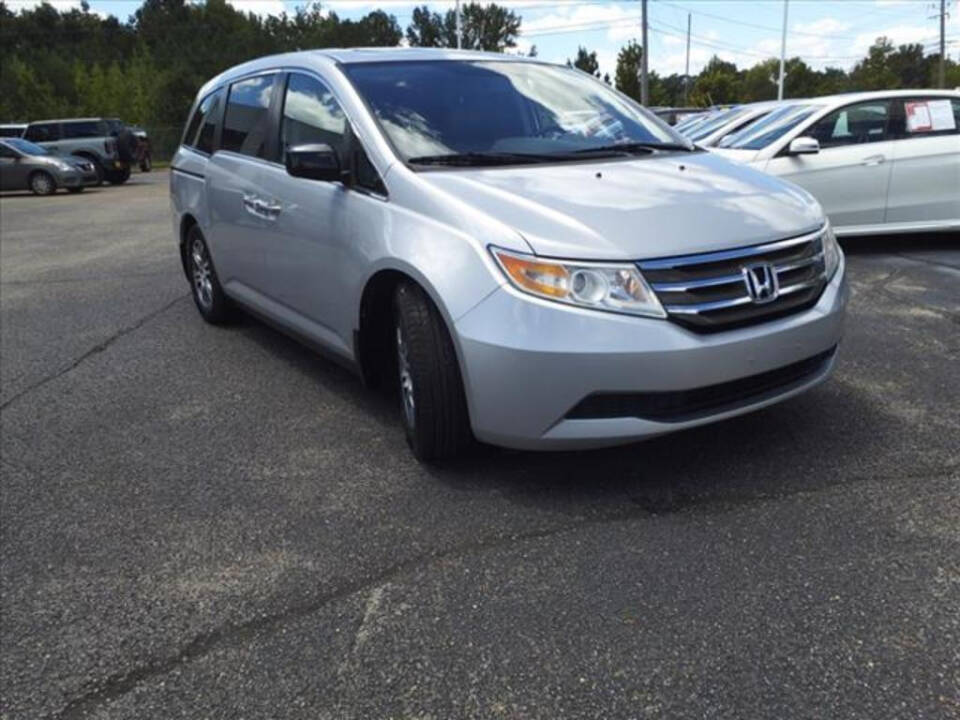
point(525, 256)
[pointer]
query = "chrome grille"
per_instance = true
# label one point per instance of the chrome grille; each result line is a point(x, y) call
point(709, 292)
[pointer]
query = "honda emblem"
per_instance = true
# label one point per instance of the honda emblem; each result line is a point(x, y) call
point(761, 282)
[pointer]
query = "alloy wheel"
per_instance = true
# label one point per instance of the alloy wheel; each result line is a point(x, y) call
point(406, 380)
point(42, 184)
point(202, 274)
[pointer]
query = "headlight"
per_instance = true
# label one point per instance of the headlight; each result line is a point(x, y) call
point(65, 166)
point(831, 252)
point(614, 287)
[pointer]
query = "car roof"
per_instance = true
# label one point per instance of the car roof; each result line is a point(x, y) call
point(67, 120)
point(852, 97)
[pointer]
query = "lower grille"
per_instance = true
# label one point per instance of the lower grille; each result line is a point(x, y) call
point(711, 292)
point(684, 405)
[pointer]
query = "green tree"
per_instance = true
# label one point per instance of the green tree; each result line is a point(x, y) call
point(484, 27)
point(874, 71)
point(717, 84)
point(627, 75)
point(586, 61)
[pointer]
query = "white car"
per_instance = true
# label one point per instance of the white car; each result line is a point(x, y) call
point(726, 123)
point(878, 162)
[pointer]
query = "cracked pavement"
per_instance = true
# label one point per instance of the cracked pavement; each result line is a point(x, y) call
point(199, 522)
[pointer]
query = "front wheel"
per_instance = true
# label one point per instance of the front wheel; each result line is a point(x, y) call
point(42, 183)
point(213, 304)
point(75, 190)
point(146, 164)
point(432, 401)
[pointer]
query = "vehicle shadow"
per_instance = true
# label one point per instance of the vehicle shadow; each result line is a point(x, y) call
point(886, 244)
point(57, 194)
point(805, 444)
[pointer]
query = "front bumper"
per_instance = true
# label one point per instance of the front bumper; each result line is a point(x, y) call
point(528, 363)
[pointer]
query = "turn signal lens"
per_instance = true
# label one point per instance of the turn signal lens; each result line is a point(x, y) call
point(831, 252)
point(614, 287)
point(538, 277)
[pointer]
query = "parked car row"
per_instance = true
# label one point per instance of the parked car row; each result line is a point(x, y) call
point(878, 162)
point(109, 145)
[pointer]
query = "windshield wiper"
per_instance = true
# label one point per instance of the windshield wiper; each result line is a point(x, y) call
point(636, 147)
point(468, 159)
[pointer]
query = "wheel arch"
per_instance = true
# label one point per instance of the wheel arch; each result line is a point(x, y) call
point(373, 339)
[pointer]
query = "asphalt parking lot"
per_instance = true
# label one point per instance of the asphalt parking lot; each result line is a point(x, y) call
point(199, 522)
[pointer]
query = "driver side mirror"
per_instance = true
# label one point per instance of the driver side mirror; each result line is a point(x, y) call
point(314, 161)
point(804, 146)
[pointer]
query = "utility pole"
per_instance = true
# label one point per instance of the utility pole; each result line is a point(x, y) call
point(644, 79)
point(686, 72)
point(783, 51)
point(459, 31)
point(943, 46)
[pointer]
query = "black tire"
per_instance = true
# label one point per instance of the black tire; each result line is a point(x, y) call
point(437, 423)
point(214, 306)
point(75, 190)
point(42, 183)
point(146, 164)
point(118, 177)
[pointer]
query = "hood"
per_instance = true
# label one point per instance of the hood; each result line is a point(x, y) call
point(741, 156)
point(648, 207)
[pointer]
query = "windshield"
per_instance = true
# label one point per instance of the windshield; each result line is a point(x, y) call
point(715, 123)
point(26, 147)
point(439, 109)
point(758, 135)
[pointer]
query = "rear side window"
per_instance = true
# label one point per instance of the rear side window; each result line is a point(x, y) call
point(202, 126)
point(927, 116)
point(43, 132)
point(853, 125)
point(247, 119)
point(84, 129)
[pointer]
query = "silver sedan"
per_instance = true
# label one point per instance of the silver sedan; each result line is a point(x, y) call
point(26, 166)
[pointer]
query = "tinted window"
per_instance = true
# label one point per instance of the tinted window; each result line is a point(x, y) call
point(200, 129)
point(27, 148)
point(454, 107)
point(43, 132)
point(853, 125)
point(83, 129)
point(247, 118)
point(311, 115)
point(11, 131)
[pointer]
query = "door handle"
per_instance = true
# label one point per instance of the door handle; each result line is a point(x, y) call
point(874, 160)
point(261, 208)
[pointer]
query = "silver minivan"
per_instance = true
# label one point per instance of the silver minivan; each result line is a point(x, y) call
point(525, 256)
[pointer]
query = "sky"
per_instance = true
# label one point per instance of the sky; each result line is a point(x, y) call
point(822, 32)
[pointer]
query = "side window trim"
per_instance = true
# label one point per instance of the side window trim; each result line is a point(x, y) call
point(353, 139)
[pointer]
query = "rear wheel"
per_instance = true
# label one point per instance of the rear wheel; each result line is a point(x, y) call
point(75, 190)
point(209, 297)
point(118, 177)
point(432, 401)
point(42, 183)
point(146, 164)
